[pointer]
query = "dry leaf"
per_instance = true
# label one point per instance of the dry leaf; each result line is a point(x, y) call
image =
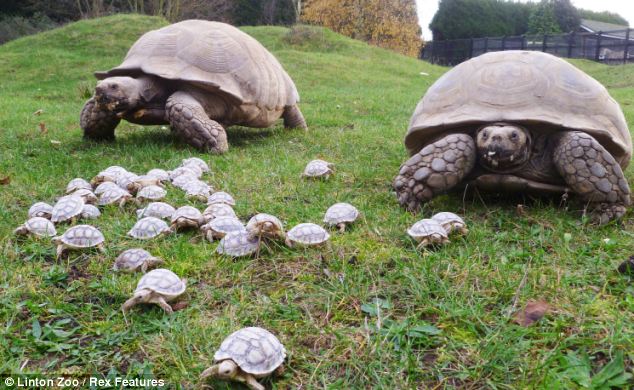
point(180, 305)
point(38, 112)
point(533, 312)
point(43, 129)
point(5, 180)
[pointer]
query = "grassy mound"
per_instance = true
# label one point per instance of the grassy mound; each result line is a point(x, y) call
point(366, 311)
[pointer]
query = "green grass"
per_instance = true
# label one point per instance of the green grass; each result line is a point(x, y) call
point(368, 311)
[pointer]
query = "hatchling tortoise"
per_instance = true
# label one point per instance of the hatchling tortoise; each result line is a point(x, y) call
point(88, 196)
point(90, 212)
point(190, 170)
point(158, 286)
point(198, 162)
point(79, 237)
point(140, 182)
point(221, 197)
point(451, 222)
point(318, 169)
point(245, 355)
point(186, 217)
point(428, 232)
point(67, 208)
point(219, 227)
point(160, 174)
point(265, 226)
point(76, 184)
point(340, 214)
point(111, 173)
point(218, 210)
point(197, 190)
point(156, 209)
point(151, 193)
point(238, 244)
point(306, 234)
point(135, 259)
point(518, 121)
point(149, 227)
point(105, 186)
point(40, 209)
point(114, 196)
point(199, 77)
point(37, 226)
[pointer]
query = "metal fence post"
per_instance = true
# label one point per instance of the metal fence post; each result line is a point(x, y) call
point(433, 52)
point(544, 44)
point(486, 44)
point(523, 42)
point(571, 40)
point(598, 49)
point(626, 49)
point(504, 43)
point(471, 48)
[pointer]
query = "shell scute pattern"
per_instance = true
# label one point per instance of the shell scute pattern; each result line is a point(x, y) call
point(151, 192)
point(132, 259)
point(90, 212)
point(221, 197)
point(105, 186)
point(198, 162)
point(317, 169)
point(162, 281)
point(307, 234)
point(113, 195)
point(341, 213)
point(451, 222)
point(40, 209)
point(158, 210)
point(266, 225)
point(237, 244)
point(76, 184)
point(159, 174)
point(218, 210)
point(221, 226)
point(37, 226)
point(255, 350)
point(82, 236)
point(149, 227)
point(66, 208)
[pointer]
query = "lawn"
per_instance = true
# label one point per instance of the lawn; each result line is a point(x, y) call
point(368, 310)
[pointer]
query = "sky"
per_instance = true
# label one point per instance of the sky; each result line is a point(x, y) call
point(625, 8)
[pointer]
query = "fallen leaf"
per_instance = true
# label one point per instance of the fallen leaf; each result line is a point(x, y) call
point(55, 142)
point(533, 312)
point(180, 305)
point(38, 112)
point(5, 180)
point(43, 129)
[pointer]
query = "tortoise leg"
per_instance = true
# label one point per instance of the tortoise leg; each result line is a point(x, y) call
point(293, 118)
point(97, 123)
point(190, 121)
point(593, 173)
point(251, 382)
point(437, 168)
point(159, 300)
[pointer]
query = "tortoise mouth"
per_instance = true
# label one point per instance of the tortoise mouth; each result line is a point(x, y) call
point(500, 160)
point(114, 104)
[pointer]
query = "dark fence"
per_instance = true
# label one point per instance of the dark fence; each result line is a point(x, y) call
point(610, 47)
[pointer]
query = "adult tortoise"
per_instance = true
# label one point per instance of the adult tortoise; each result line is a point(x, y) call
point(199, 77)
point(518, 121)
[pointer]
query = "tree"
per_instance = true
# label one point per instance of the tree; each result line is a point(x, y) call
point(567, 15)
point(605, 16)
point(391, 24)
point(456, 19)
point(543, 19)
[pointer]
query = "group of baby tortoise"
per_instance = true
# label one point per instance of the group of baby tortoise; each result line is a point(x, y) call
point(245, 355)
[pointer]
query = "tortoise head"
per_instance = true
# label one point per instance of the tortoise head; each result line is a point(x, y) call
point(503, 147)
point(226, 369)
point(119, 94)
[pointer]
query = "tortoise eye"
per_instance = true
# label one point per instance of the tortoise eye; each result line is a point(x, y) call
point(514, 135)
point(113, 86)
point(485, 135)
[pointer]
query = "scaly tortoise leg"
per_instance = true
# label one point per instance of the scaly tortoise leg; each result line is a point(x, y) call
point(591, 171)
point(98, 123)
point(190, 121)
point(437, 168)
point(293, 118)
